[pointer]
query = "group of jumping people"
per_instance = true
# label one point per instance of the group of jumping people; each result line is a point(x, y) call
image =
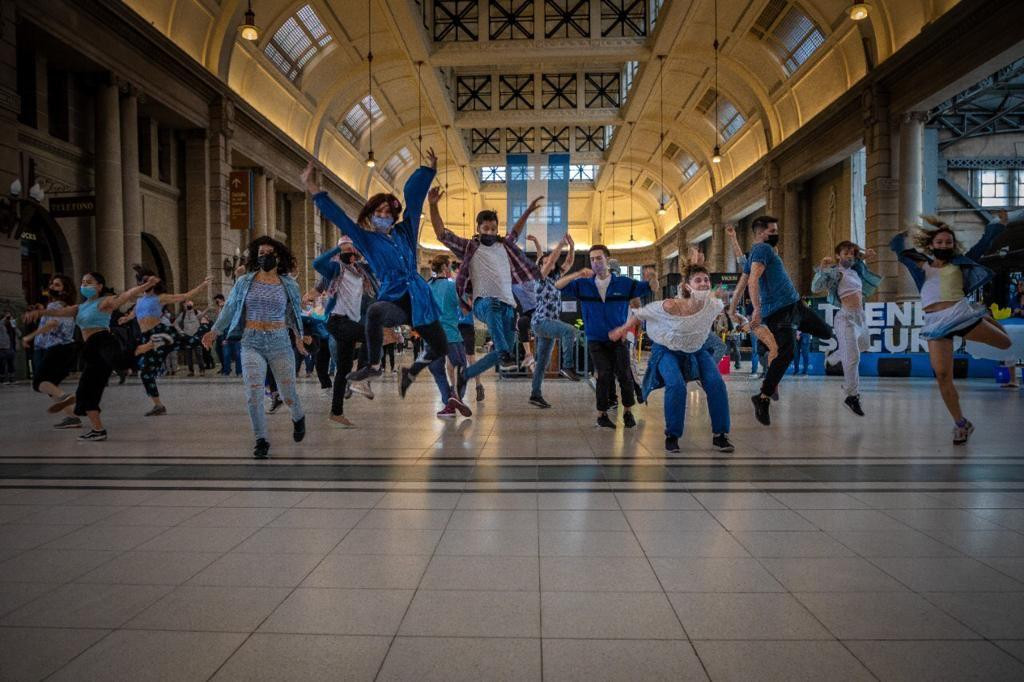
point(371, 283)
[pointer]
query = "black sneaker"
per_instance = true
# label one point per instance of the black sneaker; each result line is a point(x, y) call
point(605, 422)
point(775, 395)
point(69, 423)
point(569, 374)
point(628, 420)
point(539, 401)
point(507, 364)
point(479, 392)
point(93, 435)
point(299, 430)
point(365, 373)
point(405, 382)
point(613, 404)
point(456, 404)
point(262, 449)
point(853, 402)
point(721, 443)
point(761, 409)
point(275, 405)
point(671, 444)
point(156, 411)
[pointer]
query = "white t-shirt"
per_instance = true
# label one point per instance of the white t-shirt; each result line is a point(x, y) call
point(686, 333)
point(602, 285)
point(849, 283)
point(349, 294)
point(492, 273)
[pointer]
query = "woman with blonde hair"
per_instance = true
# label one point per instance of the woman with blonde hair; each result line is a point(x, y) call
point(947, 276)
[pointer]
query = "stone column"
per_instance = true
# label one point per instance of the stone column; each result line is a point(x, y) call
point(195, 261)
point(109, 242)
point(259, 203)
point(789, 237)
point(303, 244)
point(271, 199)
point(130, 183)
point(911, 167)
point(880, 194)
point(11, 293)
point(716, 259)
point(773, 191)
point(223, 240)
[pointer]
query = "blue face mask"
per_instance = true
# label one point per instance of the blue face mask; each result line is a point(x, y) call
point(846, 263)
point(381, 223)
point(87, 292)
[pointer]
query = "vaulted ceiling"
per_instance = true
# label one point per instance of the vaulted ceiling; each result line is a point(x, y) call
point(599, 79)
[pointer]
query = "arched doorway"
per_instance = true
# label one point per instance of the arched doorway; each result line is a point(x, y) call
point(154, 259)
point(41, 252)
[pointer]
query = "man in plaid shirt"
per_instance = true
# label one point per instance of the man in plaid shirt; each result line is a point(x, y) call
point(490, 266)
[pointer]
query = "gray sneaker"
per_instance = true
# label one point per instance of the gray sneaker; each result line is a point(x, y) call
point(69, 423)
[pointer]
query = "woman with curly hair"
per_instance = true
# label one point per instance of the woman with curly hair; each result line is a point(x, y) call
point(946, 278)
point(388, 240)
point(158, 339)
point(265, 306)
point(55, 347)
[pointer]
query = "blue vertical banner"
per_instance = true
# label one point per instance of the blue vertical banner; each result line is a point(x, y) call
point(533, 175)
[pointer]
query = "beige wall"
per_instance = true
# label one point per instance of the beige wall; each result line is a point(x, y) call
point(828, 209)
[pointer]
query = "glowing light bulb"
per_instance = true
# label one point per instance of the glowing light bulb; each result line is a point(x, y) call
point(370, 162)
point(717, 156)
point(249, 30)
point(858, 11)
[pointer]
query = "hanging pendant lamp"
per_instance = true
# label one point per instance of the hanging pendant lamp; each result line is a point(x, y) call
point(249, 30)
point(661, 137)
point(716, 156)
point(370, 161)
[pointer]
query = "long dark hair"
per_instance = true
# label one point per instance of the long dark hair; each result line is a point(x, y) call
point(142, 272)
point(102, 281)
point(924, 237)
point(285, 259)
point(68, 294)
point(374, 203)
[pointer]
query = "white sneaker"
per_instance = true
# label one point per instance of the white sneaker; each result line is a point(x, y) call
point(362, 388)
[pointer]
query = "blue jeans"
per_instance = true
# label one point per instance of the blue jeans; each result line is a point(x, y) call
point(753, 354)
point(500, 319)
point(546, 332)
point(260, 349)
point(803, 352)
point(457, 355)
point(675, 392)
point(230, 351)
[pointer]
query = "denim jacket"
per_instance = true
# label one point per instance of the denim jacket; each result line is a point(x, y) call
point(975, 274)
point(231, 320)
point(827, 279)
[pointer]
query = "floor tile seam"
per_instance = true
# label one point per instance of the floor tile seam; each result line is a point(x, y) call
point(282, 601)
point(930, 533)
point(416, 590)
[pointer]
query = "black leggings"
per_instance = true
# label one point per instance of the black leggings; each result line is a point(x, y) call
point(100, 355)
point(388, 356)
point(346, 335)
point(394, 313)
point(151, 363)
point(783, 324)
point(55, 365)
point(611, 360)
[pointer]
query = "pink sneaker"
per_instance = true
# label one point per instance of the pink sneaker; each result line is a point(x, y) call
point(447, 413)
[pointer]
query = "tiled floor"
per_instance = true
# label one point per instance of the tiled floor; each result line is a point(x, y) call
point(520, 544)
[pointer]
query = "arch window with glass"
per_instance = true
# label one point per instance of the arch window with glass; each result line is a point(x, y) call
point(297, 41)
point(360, 117)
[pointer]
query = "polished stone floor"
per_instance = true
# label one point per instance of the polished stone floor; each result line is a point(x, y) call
point(518, 544)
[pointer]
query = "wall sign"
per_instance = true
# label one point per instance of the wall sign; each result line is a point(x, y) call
point(240, 202)
point(73, 207)
point(893, 327)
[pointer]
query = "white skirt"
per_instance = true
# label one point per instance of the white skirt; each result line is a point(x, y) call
point(955, 320)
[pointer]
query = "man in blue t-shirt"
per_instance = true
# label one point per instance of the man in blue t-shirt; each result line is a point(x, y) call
point(777, 305)
point(604, 301)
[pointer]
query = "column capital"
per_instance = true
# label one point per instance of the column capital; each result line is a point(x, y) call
point(222, 116)
point(914, 117)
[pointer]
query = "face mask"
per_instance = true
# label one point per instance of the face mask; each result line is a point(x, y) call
point(772, 240)
point(846, 263)
point(944, 255)
point(488, 239)
point(54, 293)
point(599, 268)
point(87, 292)
point(188, 307)
point(267, 262)
point(700, 294)
point(381, 223)
point(348, 258)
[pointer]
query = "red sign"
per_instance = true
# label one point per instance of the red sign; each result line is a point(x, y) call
point(240, 202)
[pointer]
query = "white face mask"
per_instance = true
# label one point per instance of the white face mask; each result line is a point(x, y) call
point(700, 294)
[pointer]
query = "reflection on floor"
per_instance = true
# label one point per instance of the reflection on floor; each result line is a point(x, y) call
point(518, 544)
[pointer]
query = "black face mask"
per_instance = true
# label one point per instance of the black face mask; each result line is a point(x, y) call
point(139, 279)
point(348, 258)
point(488, 239)
point(944, 255)
point(54, 293)
point(188, 307)
point(267, 262)
point(772, 240)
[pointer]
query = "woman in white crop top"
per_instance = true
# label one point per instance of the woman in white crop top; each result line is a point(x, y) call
point(679, 328)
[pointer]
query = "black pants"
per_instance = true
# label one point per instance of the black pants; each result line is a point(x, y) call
point(55, 366)
point(388, 355)
point(346, 335)
point(611, 360)
point(100, 356)
point(191, 348)
point(394, 313)
point(783, 324)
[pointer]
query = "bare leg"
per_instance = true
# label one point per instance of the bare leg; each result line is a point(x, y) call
point(990, 333)
point(94, 418)
point(941, 354)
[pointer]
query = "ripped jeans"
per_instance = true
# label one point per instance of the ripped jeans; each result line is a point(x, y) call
point(260, 349)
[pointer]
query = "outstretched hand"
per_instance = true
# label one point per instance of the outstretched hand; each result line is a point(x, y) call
point(617, 334)
point(535, 204)
point(307, 178)
point(434, 195)
point(431, 158)
point(208, 339)
point(730, 230)
point(1003, 216)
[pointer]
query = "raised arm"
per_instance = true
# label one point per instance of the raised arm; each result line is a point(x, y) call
point(992, 230)
point(42, 329)
point(433, 198)
point(571, 256)
point(115, 301)
point(66, 311)
point(325, 265)
point(552, 259)
point(181, 298)
point(332, 212)
point(568, 279)
point(730, 230)
point(415, 192)
point(824, 275)
point(518, 227)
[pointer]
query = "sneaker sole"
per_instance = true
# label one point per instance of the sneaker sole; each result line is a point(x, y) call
point(543, 407)
point(850, 408)
point(339, 425)
point(731, 448)
point(61, 404)
point(463, 409)
point(754, 400)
